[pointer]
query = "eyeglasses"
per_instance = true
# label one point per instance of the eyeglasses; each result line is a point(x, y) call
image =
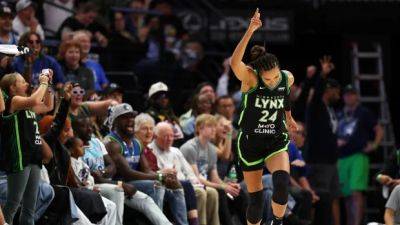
point(34, 42)
point(79, 92)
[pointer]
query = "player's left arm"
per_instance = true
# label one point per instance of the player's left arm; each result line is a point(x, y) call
point(290, 122)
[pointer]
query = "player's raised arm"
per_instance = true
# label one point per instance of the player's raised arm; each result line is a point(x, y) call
point(238, 67)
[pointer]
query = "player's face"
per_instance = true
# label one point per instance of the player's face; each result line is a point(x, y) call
point(271, 77)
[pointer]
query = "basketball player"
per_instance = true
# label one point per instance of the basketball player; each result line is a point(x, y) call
point(264, 119)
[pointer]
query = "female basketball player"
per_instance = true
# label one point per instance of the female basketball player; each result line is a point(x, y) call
point(264, 120)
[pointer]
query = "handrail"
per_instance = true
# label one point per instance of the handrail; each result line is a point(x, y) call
point(59, 6)
point(130, 10)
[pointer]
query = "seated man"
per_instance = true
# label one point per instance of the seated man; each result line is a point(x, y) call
point(125, 149)
point(169, 157)
point(96, 158)
point(202, 156)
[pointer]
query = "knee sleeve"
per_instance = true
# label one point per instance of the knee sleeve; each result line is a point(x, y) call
point(280, 181)
point(256, 207)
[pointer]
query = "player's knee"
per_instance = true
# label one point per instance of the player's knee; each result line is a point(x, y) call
point(280, 181)
point(256, 207)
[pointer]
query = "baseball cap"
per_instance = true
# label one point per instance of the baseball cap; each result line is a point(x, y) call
point(5, 9)
point(113, 87)
point(23, 4)
point(117, 111)
point(331, 83)
point(157, 87)
point(350, 89)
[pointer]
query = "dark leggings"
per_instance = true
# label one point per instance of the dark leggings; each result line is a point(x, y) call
point(190, 195)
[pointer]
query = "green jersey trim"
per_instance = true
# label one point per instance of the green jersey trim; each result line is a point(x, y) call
point(287, 83)
point(241, 157)
point(19, 151)
point(120, 144)
point(285, 148)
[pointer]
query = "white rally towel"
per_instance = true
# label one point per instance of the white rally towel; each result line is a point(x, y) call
point(14, 50)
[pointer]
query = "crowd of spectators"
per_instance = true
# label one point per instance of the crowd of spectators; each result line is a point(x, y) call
point(174, 162)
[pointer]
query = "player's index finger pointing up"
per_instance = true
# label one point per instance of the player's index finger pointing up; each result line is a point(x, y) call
point(256, 13)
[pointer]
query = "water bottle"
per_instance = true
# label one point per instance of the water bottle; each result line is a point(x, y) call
point(232, 176)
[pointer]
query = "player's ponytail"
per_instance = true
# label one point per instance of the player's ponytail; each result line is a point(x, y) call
point(261, 60)
point(256, 52)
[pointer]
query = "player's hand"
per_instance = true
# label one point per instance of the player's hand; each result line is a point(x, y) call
point(326, 65)
point(292, 125)
point(255, 21)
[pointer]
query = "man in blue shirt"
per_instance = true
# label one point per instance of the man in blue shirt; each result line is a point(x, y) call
point(359, 133)
point(125, 150)
point(102, 169)
point(33, 64)
point(100, 79)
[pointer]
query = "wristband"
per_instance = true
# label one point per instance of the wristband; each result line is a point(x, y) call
point(44, 84)
point(159, 176)
point(229, 135)
point(375, 145)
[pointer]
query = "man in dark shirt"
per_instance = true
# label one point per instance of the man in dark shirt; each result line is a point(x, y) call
point(321, 150)
point(358, 133)
point(84, 19)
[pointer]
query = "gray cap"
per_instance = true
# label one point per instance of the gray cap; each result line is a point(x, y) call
point(23, 4)
point(115, 111)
